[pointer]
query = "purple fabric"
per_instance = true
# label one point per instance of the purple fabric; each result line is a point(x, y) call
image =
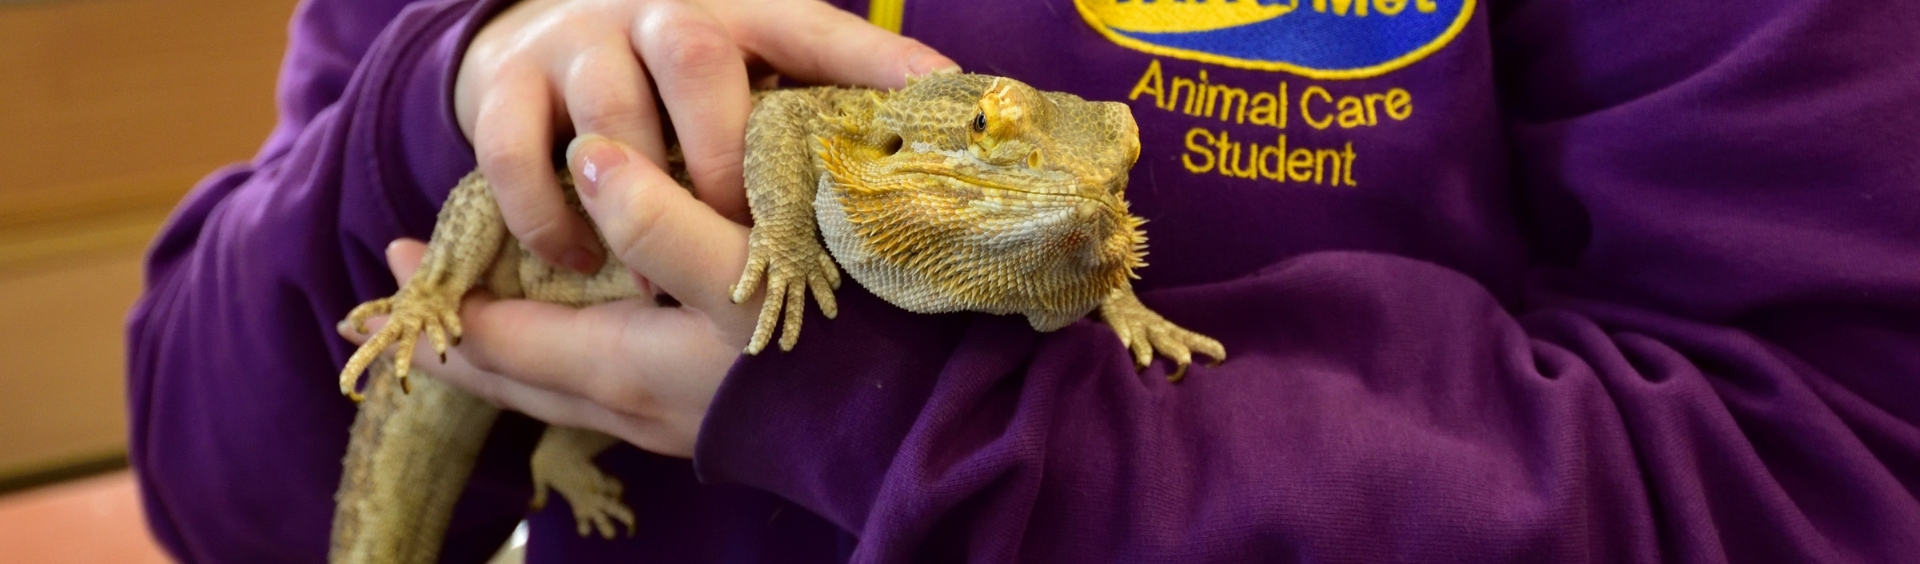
point(238, 426)
point(235, 439)
point(1632, 282)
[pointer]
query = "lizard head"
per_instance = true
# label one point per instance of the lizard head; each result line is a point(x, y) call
point(1021, 193)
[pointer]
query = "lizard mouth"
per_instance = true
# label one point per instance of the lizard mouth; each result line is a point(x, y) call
point(1038, 185)
point(964, 171)
point(1039, 225)
point(959, 183)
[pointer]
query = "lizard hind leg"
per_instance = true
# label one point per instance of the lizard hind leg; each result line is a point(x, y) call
point(1145, 333)
point(417, 308)
point(466, 239)
point(563, 462)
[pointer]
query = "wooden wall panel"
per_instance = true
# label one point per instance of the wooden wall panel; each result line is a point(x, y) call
point(94, 91)
point(109, 111)
point(60, 386)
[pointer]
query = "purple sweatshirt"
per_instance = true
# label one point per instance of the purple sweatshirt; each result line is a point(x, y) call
point(1544, 280)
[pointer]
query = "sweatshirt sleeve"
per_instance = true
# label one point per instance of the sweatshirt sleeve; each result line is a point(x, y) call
point(1716, 357)
point(237, 424)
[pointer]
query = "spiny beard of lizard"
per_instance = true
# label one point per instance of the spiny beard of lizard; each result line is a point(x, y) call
point(1022, 190)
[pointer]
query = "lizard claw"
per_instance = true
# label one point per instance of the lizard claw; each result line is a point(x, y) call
point(409, 312)
point(749, 278)
point(1146, 333)
point(789, 274)
point(363, 357)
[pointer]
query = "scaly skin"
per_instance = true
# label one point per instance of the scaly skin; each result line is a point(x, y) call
point(957, 193)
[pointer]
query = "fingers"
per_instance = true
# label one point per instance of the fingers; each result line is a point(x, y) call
point(403, 258)
point(607, 95)
point(815, 42)
point(565, 409)
point(543, 344)
point(580, 367)
point(696, 58)
point(585, 352)
point(511, 134)
point(659, 230)
point(558, 407)
point(540, 358)
point(702, 78)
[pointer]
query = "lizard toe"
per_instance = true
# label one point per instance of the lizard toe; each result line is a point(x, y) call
point(829, 270)
point(823, 294)
point(1142, 350)
point(750, 278)
point(1179, 373)
point(763, 327)
point(1169, 345)
point(796, 310)
point(358, 316)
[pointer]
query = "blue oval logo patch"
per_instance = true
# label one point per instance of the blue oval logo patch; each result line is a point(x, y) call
point(1329, 39)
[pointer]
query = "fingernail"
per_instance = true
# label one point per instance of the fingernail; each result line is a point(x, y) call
point(343, 327)
point(927, 62)
point(593, 157)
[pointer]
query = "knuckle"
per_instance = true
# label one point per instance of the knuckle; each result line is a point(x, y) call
point(613, 118)
point(694, 47)
point(629, 398)
point(604, 88)
point(544, 230)
point(505, 161)
point(640, 220)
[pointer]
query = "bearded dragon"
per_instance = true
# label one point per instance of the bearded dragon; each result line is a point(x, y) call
point(959, 192)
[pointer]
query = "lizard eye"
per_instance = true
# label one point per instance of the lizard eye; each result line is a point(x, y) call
point(980, 122)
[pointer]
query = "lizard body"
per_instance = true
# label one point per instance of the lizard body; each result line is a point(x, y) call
point(957, 193)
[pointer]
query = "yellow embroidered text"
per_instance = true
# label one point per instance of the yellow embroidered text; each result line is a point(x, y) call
point(1320, 109)
point(1217, 152)
point(1220, 144)
point(1200, 98)
point(1384, 7)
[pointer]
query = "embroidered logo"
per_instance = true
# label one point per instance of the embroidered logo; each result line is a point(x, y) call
point(1326, 39)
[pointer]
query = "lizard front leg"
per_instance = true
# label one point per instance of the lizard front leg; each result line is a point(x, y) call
point(784, 250)
point(466, 238)
point(1145, 332)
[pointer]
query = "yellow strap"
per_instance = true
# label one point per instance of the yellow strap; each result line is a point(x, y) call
point(886, 13)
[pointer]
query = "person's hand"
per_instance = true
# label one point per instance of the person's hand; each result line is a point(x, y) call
point(639, 371)
point(544, 69)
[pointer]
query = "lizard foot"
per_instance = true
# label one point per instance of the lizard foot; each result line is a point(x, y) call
point(563, 462)
point(413, 310)
point(789, 270)
point(1146, 333)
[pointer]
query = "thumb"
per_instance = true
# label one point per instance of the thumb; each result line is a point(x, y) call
point(815, 42)
point(656, 227)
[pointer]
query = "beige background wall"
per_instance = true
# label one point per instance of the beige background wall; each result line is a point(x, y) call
point(109, 111)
